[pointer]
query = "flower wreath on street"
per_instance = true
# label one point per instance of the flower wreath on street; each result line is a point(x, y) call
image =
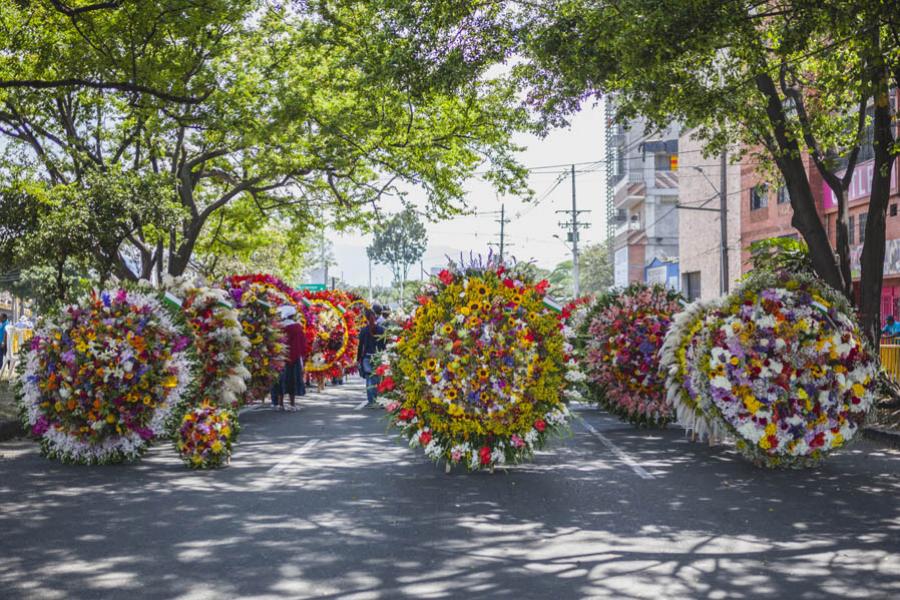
point(332, 349)
point(219, 341)
point(478, 374)
point(206, 436)
point(621, 359)
point(678, 359)
point(257, 303)
point(572, 317)
point(782, 365)
point(101, 377)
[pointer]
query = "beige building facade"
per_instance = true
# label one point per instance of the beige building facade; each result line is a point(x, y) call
point(699, 242)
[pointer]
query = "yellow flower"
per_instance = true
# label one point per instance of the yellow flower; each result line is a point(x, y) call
point(447, 329)
point(465, 311)
point(752, 404)
point(110, 419)
point(216, 446)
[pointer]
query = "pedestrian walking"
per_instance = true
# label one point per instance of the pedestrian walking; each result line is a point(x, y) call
point(379, 314)
point(371, 340)
point(291, 381)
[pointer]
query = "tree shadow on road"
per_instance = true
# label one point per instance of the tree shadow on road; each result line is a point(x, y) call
point(358, 516)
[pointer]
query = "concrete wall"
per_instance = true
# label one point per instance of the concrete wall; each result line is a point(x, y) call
point(699, 242)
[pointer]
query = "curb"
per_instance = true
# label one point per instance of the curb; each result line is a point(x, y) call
point(882, 436)
point(10, 430)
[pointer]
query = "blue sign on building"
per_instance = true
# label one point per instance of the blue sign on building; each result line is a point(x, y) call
point(663, 272)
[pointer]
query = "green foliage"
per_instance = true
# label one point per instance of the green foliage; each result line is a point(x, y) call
point(297, 107)
point(560, 278)
point(595, 269)
point(65, 235)
point(242, 239)
point(399, 242)
point(781, 254)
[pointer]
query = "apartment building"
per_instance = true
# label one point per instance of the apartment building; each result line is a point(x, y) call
point(699, 220)
point(642, 189)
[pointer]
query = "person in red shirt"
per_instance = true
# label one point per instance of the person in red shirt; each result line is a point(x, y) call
point(291, 380)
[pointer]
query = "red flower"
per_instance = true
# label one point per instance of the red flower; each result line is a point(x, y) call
point(446, 277)
point(386, 385)
point(541, 287)
point(382, 369)
point(485, 455)
point(423, 300)
point(509, 283)
point(540, 425)
point(424, 438)
point(406, 414)
point(501, 270)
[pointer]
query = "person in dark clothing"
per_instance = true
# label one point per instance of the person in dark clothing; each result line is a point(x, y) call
point(291, 380)
point(371, 340)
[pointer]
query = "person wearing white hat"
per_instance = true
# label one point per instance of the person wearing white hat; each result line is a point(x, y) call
point(291, 379)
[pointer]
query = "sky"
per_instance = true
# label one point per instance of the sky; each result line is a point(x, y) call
point(529, 234)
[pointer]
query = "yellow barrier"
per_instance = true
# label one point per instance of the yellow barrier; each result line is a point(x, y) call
point(890, 360)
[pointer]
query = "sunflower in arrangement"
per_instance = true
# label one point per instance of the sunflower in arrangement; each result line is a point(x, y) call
point(478, 375)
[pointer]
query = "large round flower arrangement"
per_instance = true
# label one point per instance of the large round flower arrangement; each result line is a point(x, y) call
point(478, 374)
point(780, 365)
point(257, 304)
point(101, 377)
point(677, 361)
point(622, 362)
point(332, 349)
point(206, 436)
point(219, 341)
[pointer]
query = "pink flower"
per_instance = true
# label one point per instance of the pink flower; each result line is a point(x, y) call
point(517, 442)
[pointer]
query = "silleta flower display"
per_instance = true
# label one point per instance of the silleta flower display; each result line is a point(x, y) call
point(257, 301)
point(622, 364)
point(335, 338)
point(219, 342)
point(101, 377)
point(206, 436)
point(781, 366)
point(477, 376)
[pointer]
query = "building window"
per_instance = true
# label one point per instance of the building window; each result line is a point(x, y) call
point(893, 210)
point(690, 285)
point(852, 231)
point(863, 217)
point(783, 196)
point(666, 162)
point(759, 196)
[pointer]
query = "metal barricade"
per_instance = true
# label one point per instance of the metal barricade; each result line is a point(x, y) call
point(890, 358)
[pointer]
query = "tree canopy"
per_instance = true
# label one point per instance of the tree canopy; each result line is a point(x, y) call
point(294, 107)
point(399, 241)
point(782, 81)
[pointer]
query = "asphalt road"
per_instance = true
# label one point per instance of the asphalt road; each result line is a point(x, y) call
point(325, 503)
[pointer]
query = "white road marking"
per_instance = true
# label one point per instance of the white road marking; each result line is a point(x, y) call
point(291, 458)
point(620, 454)
point(360, 405)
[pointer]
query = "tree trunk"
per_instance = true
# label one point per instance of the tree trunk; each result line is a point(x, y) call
point(872, 261)
point(806, 218)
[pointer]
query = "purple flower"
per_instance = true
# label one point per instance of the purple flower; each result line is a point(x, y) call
point(105, 298)
point(41, 427)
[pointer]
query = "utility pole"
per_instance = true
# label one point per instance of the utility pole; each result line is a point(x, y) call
point(503, 221)
point(371, 298)
point(573, 226)
point(723, 217)
point(324, 260)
